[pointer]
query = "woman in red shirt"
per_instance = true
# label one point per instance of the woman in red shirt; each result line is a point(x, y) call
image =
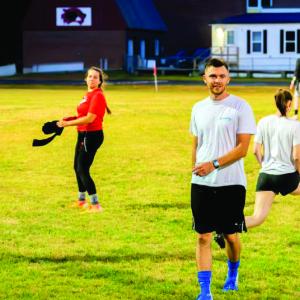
point(90, 114)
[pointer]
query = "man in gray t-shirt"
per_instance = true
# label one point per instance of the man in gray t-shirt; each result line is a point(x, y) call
point(221, 125)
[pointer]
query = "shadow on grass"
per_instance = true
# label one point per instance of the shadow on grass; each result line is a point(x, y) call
point(113, 258)
point(114, 280)
point(177, 205)
point(158, 257)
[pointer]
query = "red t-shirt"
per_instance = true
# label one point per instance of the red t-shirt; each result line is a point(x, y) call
point(93, 102)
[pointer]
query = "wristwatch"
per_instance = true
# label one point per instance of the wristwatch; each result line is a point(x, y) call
point(216, 163)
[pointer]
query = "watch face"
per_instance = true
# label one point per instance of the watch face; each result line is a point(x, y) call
point(216, 164)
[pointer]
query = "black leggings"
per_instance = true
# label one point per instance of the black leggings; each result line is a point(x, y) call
point(86, 147)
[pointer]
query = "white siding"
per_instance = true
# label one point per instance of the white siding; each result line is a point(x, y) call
point(272, 60)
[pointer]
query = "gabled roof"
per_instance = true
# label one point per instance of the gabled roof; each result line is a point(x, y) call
point(263, 18)
point(141, 14)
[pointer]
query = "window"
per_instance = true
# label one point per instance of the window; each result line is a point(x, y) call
point(290, 41)
point(130, 47)
point(266, 3)
point(156, 47)
point(142, 49)
point(256, 41)
point(260, 3)
point(253, 3)
point(230, 37)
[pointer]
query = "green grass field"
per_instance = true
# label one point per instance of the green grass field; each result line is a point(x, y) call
point(142, 245)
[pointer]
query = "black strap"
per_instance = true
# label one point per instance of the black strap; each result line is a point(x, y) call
point(38, 143)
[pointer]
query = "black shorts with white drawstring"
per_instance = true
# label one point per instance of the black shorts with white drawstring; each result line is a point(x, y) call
point(219, 209)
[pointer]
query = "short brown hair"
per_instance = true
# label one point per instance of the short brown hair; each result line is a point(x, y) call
point(216, 62)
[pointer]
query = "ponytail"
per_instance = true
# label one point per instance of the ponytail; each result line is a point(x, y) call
point(108, 110)
point(282, 97)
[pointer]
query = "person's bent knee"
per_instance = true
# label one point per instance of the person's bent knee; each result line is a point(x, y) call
point(231, 238)
point(204, 238)
point(296, 192)
point(259, 219)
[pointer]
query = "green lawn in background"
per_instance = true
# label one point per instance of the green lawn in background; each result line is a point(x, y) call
point(142, 245)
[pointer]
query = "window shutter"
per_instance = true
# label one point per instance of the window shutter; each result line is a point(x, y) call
point(298, 41)
point(265, 42)
point(248, 41)
point(281, 41)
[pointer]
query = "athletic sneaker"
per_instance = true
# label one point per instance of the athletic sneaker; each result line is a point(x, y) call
point(95, 208)
point(205, 297)
point(220, 240)
point(231, 284)
point(80, 204)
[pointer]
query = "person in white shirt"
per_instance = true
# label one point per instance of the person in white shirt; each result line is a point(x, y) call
point(221, 125)
point(277, 150)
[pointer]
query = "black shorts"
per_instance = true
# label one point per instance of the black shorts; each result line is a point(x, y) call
point(219, 209)
point(283, 184)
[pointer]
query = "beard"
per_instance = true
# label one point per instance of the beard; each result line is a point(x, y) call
point(217, 90)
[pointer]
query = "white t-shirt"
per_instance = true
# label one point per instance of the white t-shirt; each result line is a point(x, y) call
point(216, 123)
point(278, 135)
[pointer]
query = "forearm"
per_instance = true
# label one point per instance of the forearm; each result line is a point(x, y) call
point(258, 152)
point(89, 118)
point(194, 150)
point(296, 157)
point(205, 168)
point(234, 155)
point(297, 165)
point(230, 157)
point(80, 121)
point(258, 157)
point(193, 157)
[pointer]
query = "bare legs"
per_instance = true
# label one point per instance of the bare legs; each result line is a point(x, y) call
point(204, 263)
point(296, 191)
point(203, 252)
point(233, 246)
point(263, 204)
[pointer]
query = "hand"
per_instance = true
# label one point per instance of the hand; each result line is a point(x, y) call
point(62, 123)
point(203, 169)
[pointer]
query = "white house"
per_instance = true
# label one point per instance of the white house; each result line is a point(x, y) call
point(266, 38)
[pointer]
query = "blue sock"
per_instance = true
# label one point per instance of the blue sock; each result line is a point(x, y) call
point(233, 268)
point(204, 278)
point(94, 199)
point(231, 283)
point(81, 196)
